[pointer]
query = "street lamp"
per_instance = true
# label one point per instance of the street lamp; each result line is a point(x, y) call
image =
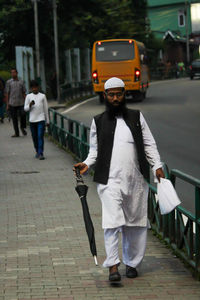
point(187, 33)
point(56, 48)
point(37, 46)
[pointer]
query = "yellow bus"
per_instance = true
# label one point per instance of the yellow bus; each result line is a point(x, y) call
point(123, 58)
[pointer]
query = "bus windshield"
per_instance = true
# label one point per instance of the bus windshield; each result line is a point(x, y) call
point(115, 51)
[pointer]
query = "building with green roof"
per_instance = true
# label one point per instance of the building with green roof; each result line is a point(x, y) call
point(177, 23)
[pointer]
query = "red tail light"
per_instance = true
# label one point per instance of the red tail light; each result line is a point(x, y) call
point(190, 67)
point(95, 77)
point(137, 74)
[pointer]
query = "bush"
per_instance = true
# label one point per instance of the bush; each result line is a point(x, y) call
point(5, 75)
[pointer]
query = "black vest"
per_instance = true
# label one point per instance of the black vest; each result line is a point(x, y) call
point(105, 135)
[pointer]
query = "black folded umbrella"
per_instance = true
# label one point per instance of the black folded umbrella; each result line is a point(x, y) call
point(82, 189)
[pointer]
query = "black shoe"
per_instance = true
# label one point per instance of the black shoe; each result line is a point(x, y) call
point(114, 277)
point(131, 272)
point(15, 135)
point(24, 131)
point(41, 157)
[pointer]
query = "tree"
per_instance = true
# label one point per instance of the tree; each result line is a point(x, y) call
point(79, 25)
point(16, 19)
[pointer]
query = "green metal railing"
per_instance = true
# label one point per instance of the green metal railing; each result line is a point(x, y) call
point(180, 229)
point(76, 90)
point(69, 133)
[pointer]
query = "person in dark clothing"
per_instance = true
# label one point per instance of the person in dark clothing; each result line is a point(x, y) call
point(15, 96)
point(2, 103)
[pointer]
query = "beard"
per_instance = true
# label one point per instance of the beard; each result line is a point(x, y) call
point(118, 110)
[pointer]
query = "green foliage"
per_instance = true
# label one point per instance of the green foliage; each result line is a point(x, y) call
point(5, 75)
point(15, 26)
point(79, 25)
point(154, 45)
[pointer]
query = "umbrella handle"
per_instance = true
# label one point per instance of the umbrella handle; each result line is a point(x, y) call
point(77, 172)
point(79, 178)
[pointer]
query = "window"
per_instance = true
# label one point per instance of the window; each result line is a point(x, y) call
point(181, 18)
point(115, 51)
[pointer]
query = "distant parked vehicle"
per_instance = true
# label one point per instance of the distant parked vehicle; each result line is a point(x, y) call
point(194, 69)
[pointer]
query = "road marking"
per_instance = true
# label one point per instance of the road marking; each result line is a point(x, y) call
point(79, 104)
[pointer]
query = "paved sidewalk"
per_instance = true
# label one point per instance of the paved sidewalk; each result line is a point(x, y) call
point(44, 252)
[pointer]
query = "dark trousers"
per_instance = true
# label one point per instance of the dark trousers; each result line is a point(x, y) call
point(2, 111)
point(37, 131)
point(18, 112)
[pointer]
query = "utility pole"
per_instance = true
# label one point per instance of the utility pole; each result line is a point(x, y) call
point(56, 48)
point(37, 45)
point(187, 33)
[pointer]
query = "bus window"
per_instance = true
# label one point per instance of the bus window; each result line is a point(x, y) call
point(115, 51)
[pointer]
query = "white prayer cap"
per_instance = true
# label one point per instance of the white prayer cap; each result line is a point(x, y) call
point(113, 82)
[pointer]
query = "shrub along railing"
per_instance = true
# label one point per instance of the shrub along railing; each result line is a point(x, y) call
point(180, 228)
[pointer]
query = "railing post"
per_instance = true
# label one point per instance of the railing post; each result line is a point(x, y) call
point(191, 239)
point(50, 122)
point(150, 204)
point(62, 136)
point(83, 139)
point(77, 143)
point(172, 232)
point(177, 229)
point(70, 138)
point(166, 226)
point(197, 226)
point(173, 221)
point(54, 131)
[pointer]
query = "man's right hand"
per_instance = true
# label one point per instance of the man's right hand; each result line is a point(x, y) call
point(82, 167)
point(31, 103)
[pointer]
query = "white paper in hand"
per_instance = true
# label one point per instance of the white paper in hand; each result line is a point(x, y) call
point(167, 196)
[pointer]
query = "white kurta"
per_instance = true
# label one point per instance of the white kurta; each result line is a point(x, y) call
point(124, 197)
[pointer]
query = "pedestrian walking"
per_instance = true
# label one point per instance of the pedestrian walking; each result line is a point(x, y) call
point(181, 67)
point(122, 148)
point(15, 96)
point(2, 102)
point(36, 104)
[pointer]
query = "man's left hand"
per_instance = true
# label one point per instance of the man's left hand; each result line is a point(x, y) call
point(160, 174)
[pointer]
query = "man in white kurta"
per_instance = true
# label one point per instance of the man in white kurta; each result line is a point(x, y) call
point(124, 196)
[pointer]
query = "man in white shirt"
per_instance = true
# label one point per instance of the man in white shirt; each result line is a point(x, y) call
point(122, 148)
point(36, 104)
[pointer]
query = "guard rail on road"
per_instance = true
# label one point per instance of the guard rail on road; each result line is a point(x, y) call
point(76, 89)
point(180, 229)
